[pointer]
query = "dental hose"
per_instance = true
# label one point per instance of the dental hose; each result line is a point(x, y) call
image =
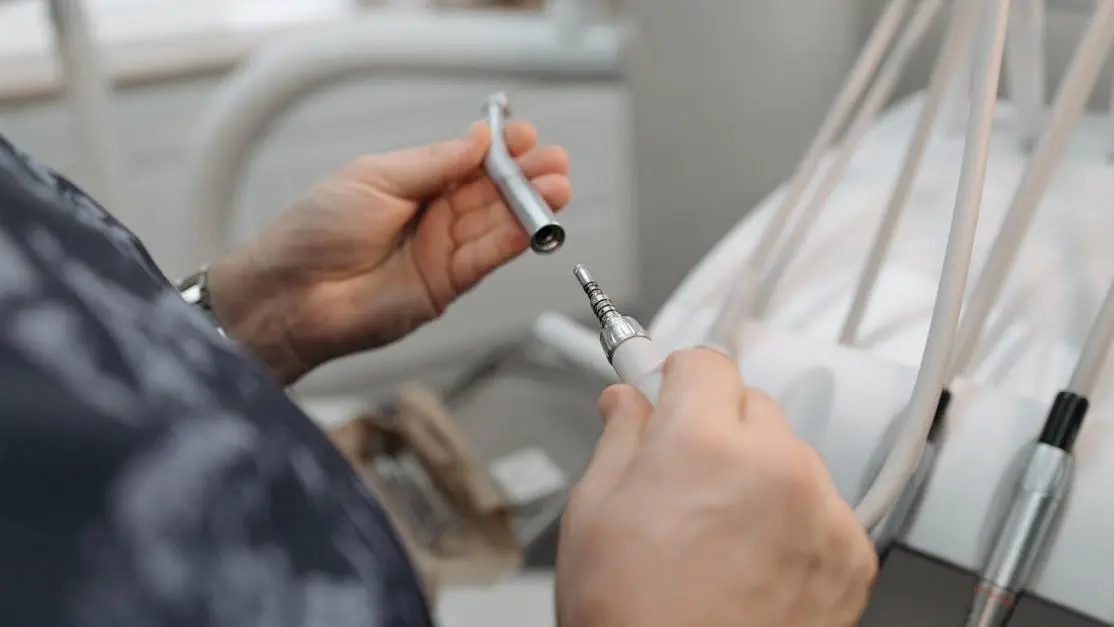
point(875, 100)
point(902, 462)
point(1081, 78)
point(868, 60)
point(1044, 484)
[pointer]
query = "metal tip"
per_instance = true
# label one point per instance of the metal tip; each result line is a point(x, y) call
point(582, 275)
point(500, 101)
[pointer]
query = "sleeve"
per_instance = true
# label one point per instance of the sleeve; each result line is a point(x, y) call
point(57, 461)
point(36, 175)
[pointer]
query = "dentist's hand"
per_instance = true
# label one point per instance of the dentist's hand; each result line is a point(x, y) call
point(706, 512)
point(378, 249)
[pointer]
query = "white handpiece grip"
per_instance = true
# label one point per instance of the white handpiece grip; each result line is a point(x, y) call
point(638, 363)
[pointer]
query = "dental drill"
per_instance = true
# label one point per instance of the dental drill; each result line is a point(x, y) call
point(529, 208)
point(628, 347)
point(1043, 485)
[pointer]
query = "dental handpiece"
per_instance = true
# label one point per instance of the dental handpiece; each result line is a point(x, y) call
point(529, 208)
point(1044, 484)
point(1027, 528)
point(628, 347)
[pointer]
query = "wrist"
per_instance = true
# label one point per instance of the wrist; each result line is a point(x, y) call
point(248, 304)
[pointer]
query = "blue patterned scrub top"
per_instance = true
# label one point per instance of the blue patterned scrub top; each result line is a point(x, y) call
point(152, 473)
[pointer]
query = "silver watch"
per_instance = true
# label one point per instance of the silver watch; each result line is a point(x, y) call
point(194, 289)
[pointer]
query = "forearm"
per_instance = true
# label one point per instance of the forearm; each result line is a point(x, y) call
point(247, 305)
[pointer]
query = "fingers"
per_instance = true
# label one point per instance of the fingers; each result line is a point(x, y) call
point(424, 171)
point(427, 170)
point(625, 412)
point(489, 238)
point(555, 190)
point(761, 411)
point(519, 135)
point(698, 385)
point(481, 191)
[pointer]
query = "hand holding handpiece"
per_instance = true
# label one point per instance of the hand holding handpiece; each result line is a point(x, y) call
point(700, 506)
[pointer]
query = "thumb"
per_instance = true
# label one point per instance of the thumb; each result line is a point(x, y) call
point(424, 171)
point(625, 412)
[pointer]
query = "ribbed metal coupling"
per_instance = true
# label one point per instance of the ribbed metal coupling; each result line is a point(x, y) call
point(602, 306)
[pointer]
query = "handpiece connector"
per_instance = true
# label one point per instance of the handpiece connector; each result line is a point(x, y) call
point(615, 328)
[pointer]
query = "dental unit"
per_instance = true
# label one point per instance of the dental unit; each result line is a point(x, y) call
point(1078, 84)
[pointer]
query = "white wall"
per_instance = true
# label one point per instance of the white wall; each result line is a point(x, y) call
point(727, 95)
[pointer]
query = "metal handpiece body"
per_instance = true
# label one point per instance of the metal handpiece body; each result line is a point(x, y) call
point(529, 208)
point(1031, 515)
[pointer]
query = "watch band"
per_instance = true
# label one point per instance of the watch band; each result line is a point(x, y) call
point(194, 289)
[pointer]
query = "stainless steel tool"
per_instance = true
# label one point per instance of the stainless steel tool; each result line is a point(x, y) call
point(531, 210)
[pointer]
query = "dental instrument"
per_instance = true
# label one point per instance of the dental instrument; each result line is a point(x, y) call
point(531, 210)
point(869, 58)
point(1044, 483)
point(628, 347)
point(948, 60)
point(908, 449)
point(877, 98)
point(1089, 57)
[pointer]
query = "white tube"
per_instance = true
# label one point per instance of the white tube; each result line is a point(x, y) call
point(638, 362)
point(857, 80)
point(1092, 358)
point(727, 326)
point(282, 75)
point(1025, 66)
point(1075, 90)
point(578, 345)
point(875, 100)
point(951, 55)
point(902, 462)
point(957, 102)
point(571, 16)
point(89, 93)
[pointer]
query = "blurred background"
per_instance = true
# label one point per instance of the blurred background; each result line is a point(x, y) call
point(674, 133)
